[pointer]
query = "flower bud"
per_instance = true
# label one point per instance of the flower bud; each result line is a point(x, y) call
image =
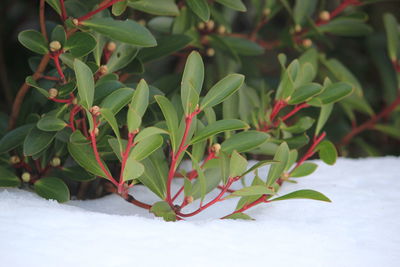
point(55, 46)
point(15, 160)
point(221, 29)
point(307, 43)
point(95, 110)
point(210, 25)
point(189, 199)
point(96, 131)
point(53, 93)
point(75, 22)
point(103, 70)
point(201, 26)
point(55, 162)
point(26, 177)
point(210, 52)
point(285, 176)
point(111, 46)
point(142, 22)
point(324, 15)
point(297, 28)
point(75, 101)
point(266, 12)
point(216, 148)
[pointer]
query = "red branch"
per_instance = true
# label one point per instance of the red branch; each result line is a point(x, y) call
point(105, 4)
point(125, 156)
point(56, 59)
point(296, 109)
point(262, 199)
point(63, 10)
point(311, 151)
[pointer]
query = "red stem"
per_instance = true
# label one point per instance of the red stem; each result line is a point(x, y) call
point(56, 58)
point(74, 110)
point(296, 109)
point(63, 10)
point(310, 152)
point(125, 156)
point(102, 6)
point(262, 199)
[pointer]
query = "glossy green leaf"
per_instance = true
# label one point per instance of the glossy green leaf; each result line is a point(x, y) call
point(117, 99)
point(335, 92)
point(146, 147)
point(259, 165)
point(140, 99)
point(192, 82)
point(324, 114)
point(133, 169)
point(304, 93)
point(119, 8)
point(76, 173)
point(346, 27)
point(212, 179)
point(200, 8)
point(155, 173)
point(126, 31)
point(392, 131)
point(221, 90)
point(242, 46)
point(392, 35)
point(170, 116)
point(147, 132)
point(303, 9)
point(80, 44)
point(238, 216)
point(55, 4)
point(302, 125)
point(304, 169)
point(155, 7)
point(162, 209)
point(110, 118)
point(133, 120)
point(34, 41)
point(15, 137)
point(218, 127)
point(327, 152)
point(85, 83)
point(251, 191)
point(201, 178)
point(234, 4)
point(304, 194)
point(121, 57)
point(8, 178)
point(51, 124)
point(244, 141)
point(30, 81)
point(52, 188)
point(238, 165)
point(37, 140)
point(58, 34)
point(276, 170)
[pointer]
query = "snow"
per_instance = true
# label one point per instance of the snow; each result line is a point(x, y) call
point(361, 227)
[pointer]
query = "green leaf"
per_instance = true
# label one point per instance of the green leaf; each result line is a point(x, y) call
point(155, 7)
point(201, 179)
point(346, 27)
point(147, 132)
point(171, 118)
point(302, 10)
point(37, 140)
point(192, 82)
point(121, 57)
point(200, 8)
point(155, 173)
point(242, 46)
point(119, 8)
point(335, 92)
point(302, 125)
point(140, 99)
point(133, 120)
point(223, 89)
point(34, 41)
point(117, 99)
point(234, 4)
point(109, 117)
point(392, 131)
point(238, 216)
point(327, 152)
point(85, 83)
point(304, 93)
point(304, 194)
point(276, 170)
point(258, 165)
point(251, 191)
point(8, 178)
point(31, 82)
point(326, 111)
point(218, 127)
point(304, 169)
point(127, 31)
point(162, 209)
point(213, 178)
point(133, 169)
point(14, 138)
point(392, 33)
point(58, 34)
point(146, 147)
point(80, 44)
point(52, 188)
point(76, 173)
point(166, 45)
point(51, 124)
point(83, 154)
point(238, 165)
point(55, 4)
point(244, 141)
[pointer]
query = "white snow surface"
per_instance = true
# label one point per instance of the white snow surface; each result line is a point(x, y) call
point(361, 227)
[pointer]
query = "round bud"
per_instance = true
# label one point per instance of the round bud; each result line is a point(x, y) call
point(189, 199)
point(75, 22)
point(95, 110)
point(111, 46)
point(324, 15)
point(55, 162)
point(142, 22)
point(53, 93)
point(297, 28)
point(96, 131)
point(216, 148)
point(75, 101)
point(26, 177)
point(221, 29)
point(55, 46)
point(210, 52)
point(103, 70)
point(210, 25)
point(285, 176)
point(15, 160)
point(266, 12)
point(307, 43)
point(201, 26)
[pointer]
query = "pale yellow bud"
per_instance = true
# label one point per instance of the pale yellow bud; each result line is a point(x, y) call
point(26, 177)
point(201, 26)
point(307, 43)
point(95, 110)
point(189, 199)
point(210, 25)
point(103, 70)
point(266, 12)
point(53, 93)
point(221, 29)
point(55, 162)
point(297, 28)
point(15, 160)
point(324, 15)
point(96, 131)
point(55, 46)
point(210, 52)
point(216, 148)
point(142, 22)
point(111, 46)
point(75, 22)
